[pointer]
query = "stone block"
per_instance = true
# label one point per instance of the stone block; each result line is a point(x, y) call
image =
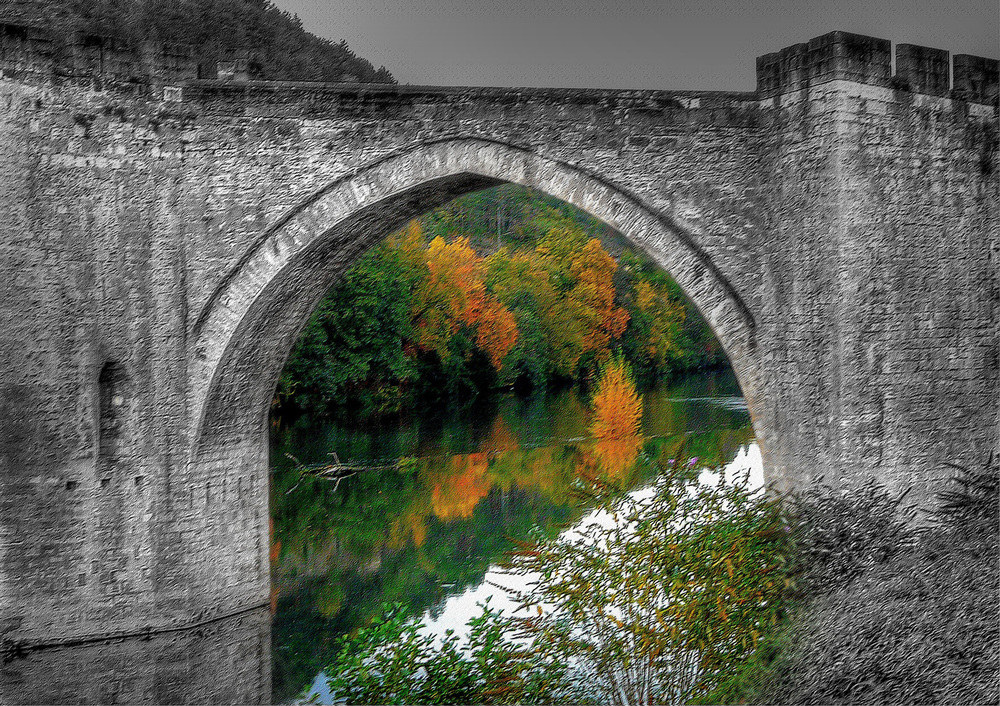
point(923, 70)
point(976, 78)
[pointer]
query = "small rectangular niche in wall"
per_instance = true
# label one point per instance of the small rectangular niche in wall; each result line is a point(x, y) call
point(113, 395)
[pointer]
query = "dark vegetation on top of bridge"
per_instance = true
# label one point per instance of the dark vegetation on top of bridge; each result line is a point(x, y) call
point(34, 54)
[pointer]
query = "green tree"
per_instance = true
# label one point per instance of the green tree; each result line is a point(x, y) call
point(353, 350)
point(279, 46)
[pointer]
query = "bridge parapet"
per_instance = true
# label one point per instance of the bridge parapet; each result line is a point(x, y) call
point(923, 69)
point(361, 101)
point(868, 60)
point(977, 78)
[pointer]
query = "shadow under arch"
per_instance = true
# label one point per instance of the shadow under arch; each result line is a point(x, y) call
point(274, 286)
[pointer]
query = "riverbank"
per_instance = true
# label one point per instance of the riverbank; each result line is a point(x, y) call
point(888, 612)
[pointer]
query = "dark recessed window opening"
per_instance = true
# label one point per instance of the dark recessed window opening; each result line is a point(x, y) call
point(113, 394)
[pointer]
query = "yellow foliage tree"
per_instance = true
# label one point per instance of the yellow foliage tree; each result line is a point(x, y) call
point(583, 269)
point(665, 317)
point(593, 270)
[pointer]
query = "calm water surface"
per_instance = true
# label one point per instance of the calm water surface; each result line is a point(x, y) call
point(455, 490)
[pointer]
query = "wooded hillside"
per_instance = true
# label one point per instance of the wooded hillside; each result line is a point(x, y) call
point(280, 49)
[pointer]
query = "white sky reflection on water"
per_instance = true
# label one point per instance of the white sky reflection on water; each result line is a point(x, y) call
point(458, 610)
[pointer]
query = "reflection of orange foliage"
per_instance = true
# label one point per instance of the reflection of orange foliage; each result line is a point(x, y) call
point(412, 525)
point(617, 455)
point(617, 407)
point(457, 496)
point(275, 546)
point(547, 472)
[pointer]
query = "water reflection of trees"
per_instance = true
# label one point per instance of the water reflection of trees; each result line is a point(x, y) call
point(433, 527)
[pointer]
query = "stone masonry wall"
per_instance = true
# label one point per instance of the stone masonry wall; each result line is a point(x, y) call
point(163, 244)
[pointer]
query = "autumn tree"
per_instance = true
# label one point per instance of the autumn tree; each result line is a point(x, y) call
point(659, 320)
point(455, 295)
point(551, 330)
point(617, 405)
point(593, 270)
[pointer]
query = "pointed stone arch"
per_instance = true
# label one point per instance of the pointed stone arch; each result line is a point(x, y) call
point(246, 328)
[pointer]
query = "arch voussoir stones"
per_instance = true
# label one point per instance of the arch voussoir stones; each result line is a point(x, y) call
point(357, 210)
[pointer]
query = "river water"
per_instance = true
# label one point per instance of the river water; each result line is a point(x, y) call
point(447, 495)
point(457, 487)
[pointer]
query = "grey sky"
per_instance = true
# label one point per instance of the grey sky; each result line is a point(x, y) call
point(672, 44)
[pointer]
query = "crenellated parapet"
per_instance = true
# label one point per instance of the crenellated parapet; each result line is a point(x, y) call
point(976, 78)
point(854, 57)
point(923, 70)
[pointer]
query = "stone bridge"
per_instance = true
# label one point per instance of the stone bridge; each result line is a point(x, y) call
point(164, 239)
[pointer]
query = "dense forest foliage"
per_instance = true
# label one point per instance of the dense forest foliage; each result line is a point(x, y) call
point(505, 287)
point(280, 48)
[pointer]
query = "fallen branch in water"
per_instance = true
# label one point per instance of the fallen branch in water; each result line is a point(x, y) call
point(338, 470)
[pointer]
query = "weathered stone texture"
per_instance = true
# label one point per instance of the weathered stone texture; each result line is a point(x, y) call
point(162, 248)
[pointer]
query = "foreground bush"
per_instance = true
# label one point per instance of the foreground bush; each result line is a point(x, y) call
point(659, 607)
point(691, 601)
point(889, 613)
point(393, 661)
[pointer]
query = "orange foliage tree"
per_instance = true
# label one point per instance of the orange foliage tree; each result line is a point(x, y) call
point(617, 417)
point(617, 405)
point(455, 295)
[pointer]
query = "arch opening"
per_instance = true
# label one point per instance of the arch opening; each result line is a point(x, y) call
point(313, 593)
point(271, 291)
point(246, 328)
